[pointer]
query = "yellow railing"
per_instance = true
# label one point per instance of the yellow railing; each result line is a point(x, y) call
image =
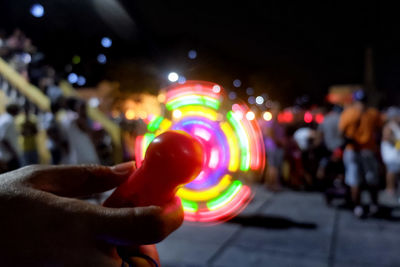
point(25, 88)
point(38, 98)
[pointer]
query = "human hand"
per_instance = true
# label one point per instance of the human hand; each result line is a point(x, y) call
point(42, 225)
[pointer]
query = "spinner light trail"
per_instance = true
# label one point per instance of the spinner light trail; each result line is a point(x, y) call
point(232, 145)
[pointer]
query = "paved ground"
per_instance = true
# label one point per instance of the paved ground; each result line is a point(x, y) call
point(287, 229)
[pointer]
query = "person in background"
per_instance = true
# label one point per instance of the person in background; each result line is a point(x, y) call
point(274, 141)
point(360, 126)
point(56, 143)
point(390, 149)
point(9, 149)
point(28, 129)
point(328, 133)
point(79, 134)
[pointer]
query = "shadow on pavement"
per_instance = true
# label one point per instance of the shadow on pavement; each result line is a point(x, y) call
point(271, 222)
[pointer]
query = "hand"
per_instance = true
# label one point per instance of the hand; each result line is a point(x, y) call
point(43, 226)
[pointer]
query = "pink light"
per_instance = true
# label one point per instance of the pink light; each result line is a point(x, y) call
point(319, 118)
point(308, 117)
point(213, 162)
point(194, 87)
point(202, 133)
point(138, 150)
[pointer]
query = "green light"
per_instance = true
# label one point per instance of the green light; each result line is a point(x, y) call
point(76, 59)
point(155, 124)
point(148, 137)
point(225, 197)
point(189, 205)
point(243, 141)
point(193, 100)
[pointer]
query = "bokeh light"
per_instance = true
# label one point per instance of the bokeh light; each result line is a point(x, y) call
point(106, 42)
point(81, 81)
point(308, 117)
point(237, 83)
point(72, 78)
point(173, 77)
point(250, 91)
point(37, 10)
point(101, 58)
point(250, 115)
point(267, 116)
point(259, 100)
point(130, 114)
point(251, 100)
point(192, 54)
point(232, 95)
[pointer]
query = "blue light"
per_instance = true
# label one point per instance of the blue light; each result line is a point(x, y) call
point(249, 91)
point(232, 95)
point(106, 42)
point(181, 79)
point(102, 59)
point(37, 10)
point(237, 83)
point(81, 81)
point(72, 78)
point(192, 54)
point(252, 100)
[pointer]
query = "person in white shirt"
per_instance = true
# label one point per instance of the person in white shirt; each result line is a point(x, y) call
point(9, 150)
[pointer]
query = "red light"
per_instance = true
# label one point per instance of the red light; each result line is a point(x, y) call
point(308, 117)
point(319, 118)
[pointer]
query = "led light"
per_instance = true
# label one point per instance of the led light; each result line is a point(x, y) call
point(130, 114)
point(259, 100)
point(37, 10)
point(216, 89)
point(106, 42)
point(173, 76)
point(72, 78)
point(177, 114)
point(267, 116)
point(192, 54)
point(308, 117)
point(250, 115)
point(101, 58)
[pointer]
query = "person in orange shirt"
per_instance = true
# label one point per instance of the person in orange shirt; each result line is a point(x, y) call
point(360, 126)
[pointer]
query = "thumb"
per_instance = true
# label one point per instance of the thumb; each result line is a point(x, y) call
point(77, 180)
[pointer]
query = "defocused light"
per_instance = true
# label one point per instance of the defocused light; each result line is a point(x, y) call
point(319, 118)
point(238, 115)
point(259, 100)
point(130, 114)
point(251, 100)
point(250, 115)
point(232, 95)
point(76, 59)
point(72, 77)
point(237, 83)
point(267, 116)
point(181, 79)
point(37, 10)
point(81, 81)
point(177, 114)
point(106, 42)
point(102, 59)
point(308, 117)
point(26, 58)
point(216, 89)
point(142, 114)
point(249, 91)
point(94, 102)
point(161, 97)
point(192, 54)
point(173, 76)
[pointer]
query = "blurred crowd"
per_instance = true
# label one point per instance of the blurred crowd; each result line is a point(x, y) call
point(346, 150)
point(351, 149)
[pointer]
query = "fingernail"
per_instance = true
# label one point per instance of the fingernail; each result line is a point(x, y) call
point(123, 168)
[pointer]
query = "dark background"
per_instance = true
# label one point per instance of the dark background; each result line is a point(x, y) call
point(283, 48)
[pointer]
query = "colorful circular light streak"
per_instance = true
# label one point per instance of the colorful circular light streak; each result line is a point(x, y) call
point(232, 144)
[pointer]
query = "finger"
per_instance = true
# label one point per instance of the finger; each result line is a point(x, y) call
point(136, 226)
point(143, 255)
point(77, 180)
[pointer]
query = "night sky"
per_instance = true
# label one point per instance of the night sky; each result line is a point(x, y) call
point(285, 49)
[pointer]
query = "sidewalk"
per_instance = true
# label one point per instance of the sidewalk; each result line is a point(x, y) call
point(287, 229)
